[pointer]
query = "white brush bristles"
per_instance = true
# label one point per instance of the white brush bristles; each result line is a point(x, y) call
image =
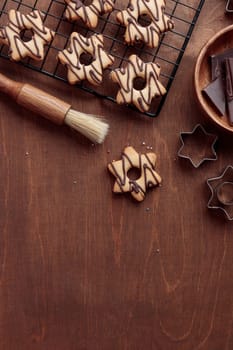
point(88, 125)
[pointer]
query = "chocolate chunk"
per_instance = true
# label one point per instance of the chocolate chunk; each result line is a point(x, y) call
point(229, 88)
point(217, 66)
point(215, 92)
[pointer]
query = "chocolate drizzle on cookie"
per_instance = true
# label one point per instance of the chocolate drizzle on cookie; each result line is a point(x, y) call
point(132, 159)
point(77, 71)
point(136, 68)
point(76, 9)
point(34, 48)
point(150, 34)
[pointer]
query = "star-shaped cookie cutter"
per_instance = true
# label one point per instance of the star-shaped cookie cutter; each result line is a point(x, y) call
point(207, 141)
point(132, 159)
point(221, 188)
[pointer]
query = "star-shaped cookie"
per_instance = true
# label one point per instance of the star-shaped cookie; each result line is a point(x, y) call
point(11, 35)
point(76, 9)
point(125, 77)
point(93, 46)
point(146, 165)
point(149, 34)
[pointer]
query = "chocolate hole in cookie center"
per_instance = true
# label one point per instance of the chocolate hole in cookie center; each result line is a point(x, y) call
point(139, 83)
point(144, 20)
point(86, 59)
point(26, 35)
point(134, 174)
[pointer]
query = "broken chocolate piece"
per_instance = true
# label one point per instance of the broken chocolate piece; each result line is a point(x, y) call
point(217, 66)
point(215, 92)
point(229, 88)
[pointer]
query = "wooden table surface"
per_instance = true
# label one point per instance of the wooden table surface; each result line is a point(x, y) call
point(82, 268)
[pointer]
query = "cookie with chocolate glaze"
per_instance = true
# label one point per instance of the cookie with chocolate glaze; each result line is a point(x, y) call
point(150, 32)
point(76, 9)
point(145, 163)
point(18, 23)
point(71, 58)
point(125, 77)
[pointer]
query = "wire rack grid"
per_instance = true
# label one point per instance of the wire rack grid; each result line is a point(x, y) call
point(168, 54)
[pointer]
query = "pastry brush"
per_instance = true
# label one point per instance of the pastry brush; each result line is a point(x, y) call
point(54, 109)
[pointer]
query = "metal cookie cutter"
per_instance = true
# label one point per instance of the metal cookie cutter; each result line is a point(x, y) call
point(229, 6)
point(197, 146)
point(221, 188)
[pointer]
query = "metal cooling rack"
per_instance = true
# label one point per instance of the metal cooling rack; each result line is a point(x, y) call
point(168, 54)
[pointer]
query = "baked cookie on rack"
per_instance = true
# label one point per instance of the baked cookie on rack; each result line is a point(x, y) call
point(148, 177)
point(18, 23)
point(137, 69)
point(92, 46)
point(148, 32)
point(76, 9)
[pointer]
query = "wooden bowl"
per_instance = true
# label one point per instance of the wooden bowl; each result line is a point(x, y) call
point(219, 43)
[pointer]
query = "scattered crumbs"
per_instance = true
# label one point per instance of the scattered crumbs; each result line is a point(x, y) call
point(151, 147)
point(157, 251)
point(74, 182)
point(147, 209)
point(26, 153)
point(143, 143)
point(93, 145)
point(108, 151)
point(148, 147)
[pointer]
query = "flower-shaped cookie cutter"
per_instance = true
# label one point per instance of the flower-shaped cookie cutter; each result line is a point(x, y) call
point(221, 188)
point(198, 146)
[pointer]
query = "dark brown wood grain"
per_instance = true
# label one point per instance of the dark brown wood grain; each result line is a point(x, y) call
point(84, 269)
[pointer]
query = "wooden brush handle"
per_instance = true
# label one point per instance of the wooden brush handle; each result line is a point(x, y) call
point(35, 100)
